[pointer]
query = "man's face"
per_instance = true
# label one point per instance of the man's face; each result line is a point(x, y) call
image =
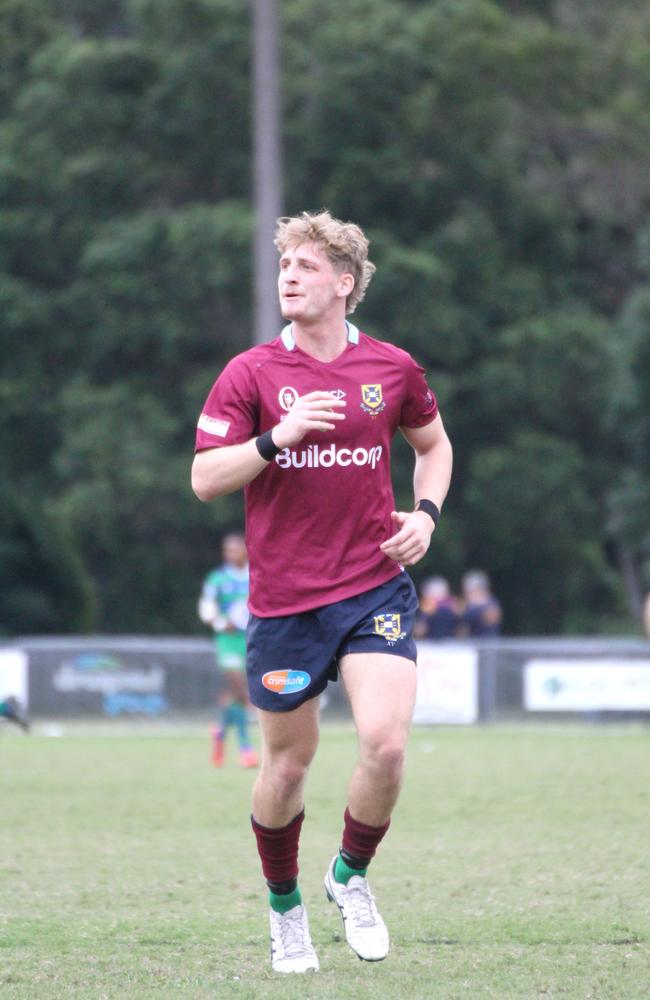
point(311, 289)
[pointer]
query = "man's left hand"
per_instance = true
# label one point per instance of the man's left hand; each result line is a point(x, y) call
point(412, 539)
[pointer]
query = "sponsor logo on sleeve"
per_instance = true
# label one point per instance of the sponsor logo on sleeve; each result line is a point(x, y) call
point(372, 399)
point(286, 681)
point(389, 626)
point(213, 425)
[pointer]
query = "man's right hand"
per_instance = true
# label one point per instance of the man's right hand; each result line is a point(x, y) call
point(317, 411)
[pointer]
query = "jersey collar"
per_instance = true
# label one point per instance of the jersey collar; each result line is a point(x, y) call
point(289, 342)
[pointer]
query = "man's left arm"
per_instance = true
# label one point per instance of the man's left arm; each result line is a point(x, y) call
point(433, 463)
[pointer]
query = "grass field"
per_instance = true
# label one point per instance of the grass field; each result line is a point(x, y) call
point(518, 866)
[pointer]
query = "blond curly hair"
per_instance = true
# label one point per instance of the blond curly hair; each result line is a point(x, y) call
point(343, 243)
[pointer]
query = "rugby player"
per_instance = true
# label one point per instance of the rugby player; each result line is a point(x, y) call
point(11, 710)
point(304, 423)
point(223, 606)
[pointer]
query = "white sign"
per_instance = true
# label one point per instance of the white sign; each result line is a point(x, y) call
point(447, 684)
point(587, 685)
point(13, 675)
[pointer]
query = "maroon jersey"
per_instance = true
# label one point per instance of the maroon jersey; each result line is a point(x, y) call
point(316, 516)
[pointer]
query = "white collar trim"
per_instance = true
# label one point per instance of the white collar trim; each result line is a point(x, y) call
point(287, 337)
point(289, 341)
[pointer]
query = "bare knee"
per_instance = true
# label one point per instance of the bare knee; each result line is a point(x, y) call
point(384, 754)
point(284, 774)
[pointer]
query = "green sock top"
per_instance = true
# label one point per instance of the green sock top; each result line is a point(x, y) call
point(281, 904)
point(343, 873)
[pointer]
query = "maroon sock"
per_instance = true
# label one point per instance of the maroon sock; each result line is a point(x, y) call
point(359, 840)
point(278, 849)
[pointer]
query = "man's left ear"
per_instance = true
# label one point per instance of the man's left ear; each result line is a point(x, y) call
point(346, 284)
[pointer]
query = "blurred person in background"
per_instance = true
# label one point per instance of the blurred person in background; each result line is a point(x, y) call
point(481, 615)
point(438, 614)
point(646, 615)
point(11, 711)
point(223, 605)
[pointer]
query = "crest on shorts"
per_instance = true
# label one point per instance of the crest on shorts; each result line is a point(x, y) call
point(389, 626)
point(372, 399)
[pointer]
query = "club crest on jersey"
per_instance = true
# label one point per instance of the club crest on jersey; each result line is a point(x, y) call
point(389, 626)
point(372, 399)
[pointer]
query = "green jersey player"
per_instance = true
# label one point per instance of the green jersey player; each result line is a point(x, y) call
point(224, 605)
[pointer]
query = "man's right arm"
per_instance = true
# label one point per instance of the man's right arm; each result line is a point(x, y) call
point(218, 471)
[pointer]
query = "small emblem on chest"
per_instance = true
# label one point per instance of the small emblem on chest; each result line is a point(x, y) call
point(372, 400)
point(287, 396)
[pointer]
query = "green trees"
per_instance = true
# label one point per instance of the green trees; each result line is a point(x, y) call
point(124, 236)
point(496, 154)
point(629, 497)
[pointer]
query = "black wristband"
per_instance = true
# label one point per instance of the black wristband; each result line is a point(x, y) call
point(266, 446)
point(429, 507)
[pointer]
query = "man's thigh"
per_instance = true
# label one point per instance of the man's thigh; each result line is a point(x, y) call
point(381, 688)
point(295, 732)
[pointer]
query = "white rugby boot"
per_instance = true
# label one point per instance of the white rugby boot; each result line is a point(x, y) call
point(291, 947)
point(365, 931)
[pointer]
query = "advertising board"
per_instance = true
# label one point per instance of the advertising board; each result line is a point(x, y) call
point(587, 685)
point(447, 684)
point(13, 675)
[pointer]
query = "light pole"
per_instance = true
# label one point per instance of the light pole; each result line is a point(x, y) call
point(267, 166)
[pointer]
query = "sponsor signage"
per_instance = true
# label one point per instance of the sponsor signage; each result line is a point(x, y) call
point(123, 687)
point(596, 685)
point(287, 396)
point(13, 675)
point(107, 675)
point(213, 425)
point(315, 456)
point(286, 681)
point(118, 676)
point(447, 684)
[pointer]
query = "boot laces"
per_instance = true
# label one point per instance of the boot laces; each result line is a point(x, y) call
point(293, 933)
point(361, 903)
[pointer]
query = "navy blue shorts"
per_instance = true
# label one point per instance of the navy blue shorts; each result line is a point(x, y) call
point(291, 658)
